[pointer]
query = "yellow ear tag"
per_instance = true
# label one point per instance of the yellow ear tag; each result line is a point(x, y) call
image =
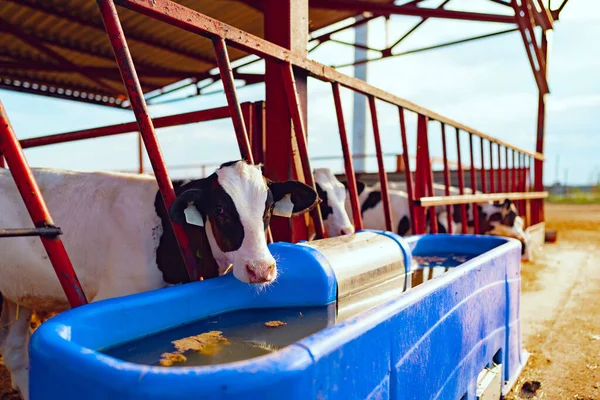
point(284, 207)
point(192, 216)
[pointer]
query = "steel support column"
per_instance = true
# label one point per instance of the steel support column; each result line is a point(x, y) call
point(286, 24)
point(537, 214)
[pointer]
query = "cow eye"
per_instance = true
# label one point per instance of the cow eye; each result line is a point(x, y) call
point(219, 210)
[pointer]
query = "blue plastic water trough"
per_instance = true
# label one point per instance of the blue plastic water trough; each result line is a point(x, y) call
point(361, 325)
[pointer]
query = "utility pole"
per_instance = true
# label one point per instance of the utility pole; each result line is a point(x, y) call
point(359, 123)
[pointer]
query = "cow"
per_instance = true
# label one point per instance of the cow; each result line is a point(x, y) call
point(333, 202)
point(117, 233)
point(501, 219)
point(498, 219)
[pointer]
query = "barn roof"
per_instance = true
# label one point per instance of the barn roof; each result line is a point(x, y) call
point(59, 47)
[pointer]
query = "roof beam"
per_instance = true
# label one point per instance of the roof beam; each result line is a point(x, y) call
point(57, 95)
point(106, 55)
point(411, 10)
point(80, 18)
point(104, 72)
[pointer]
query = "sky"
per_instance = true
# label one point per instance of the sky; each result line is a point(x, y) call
point(487, 85)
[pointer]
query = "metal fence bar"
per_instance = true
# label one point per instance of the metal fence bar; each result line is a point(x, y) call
point(38, 211)
point(235, 110)
point(507, 182)
point(478, 198)
point(475, 210)
point(424, 175)
point(483, 170)
point(192, 21)
point(128, 127)
point(387, 208)
point(446, 178)
point(118, 42)
point(500, 185)
point(298, 120)
point(492, 178)
point(410, 189)
point(461, 185)
point(349, 168)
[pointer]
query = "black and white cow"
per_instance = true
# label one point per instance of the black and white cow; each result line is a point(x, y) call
point(333, 203)
point(117, 233)
point(494, 218)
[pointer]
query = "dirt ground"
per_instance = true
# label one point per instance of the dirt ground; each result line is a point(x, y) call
point(560, 310)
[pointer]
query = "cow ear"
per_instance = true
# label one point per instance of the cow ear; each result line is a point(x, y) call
point(177, 210)
point(292, 198)
point(506, 204)
point(360, 186)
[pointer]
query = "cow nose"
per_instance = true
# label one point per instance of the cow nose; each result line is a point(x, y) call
point(347, 231)
point(262, 275)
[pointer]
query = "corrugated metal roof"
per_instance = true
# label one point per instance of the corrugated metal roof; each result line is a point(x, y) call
point(60, 48)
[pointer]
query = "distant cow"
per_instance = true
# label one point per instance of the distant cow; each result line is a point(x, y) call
point(119, 239)
point(494, 218)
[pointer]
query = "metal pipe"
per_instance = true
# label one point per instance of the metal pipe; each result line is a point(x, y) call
point(500, 185)
point(424, 176)
point(483, 174)
point(410, 189)
point(461, 185)
point(118, 42)
point(478, 198)
point(38, 211)
point(296, 113)
point(492, 181)
point(349, 168)
point(507, 183)
point(128, 127)
point(49, 231)
point(447, 178)
point(234, 106)
point(387, 208)
point(475, 210)
point(192, 21)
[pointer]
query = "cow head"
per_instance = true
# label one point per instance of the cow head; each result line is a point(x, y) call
point(503, 220)
point(333, 198)
point(236, 204)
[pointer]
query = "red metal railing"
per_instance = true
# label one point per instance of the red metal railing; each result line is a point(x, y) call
point(38, 211)
point(420, 191)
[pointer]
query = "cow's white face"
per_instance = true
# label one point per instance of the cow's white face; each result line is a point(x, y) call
point(333, 203)
point(236, 204)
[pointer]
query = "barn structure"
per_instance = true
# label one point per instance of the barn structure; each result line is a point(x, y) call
point(130, 53)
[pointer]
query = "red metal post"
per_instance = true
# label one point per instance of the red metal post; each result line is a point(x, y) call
point(258, 141)
point(410, 189)
point(348, 166)
point(507, 183)
point(424, 175)
point(161, 122)
point(483, 174)
point(492, 181)
point(447, 182)
point(475, 210)
point(285, 24)
point(500, 185)
point(234, 106)
point(461, 185)
point(2, 164)
point(538, 215)
point(301, 139)
point(113, 27)
point(38, 211)
point(387, 209)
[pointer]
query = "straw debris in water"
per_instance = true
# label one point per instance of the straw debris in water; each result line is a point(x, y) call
point(208, 343)
point(274, 324)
